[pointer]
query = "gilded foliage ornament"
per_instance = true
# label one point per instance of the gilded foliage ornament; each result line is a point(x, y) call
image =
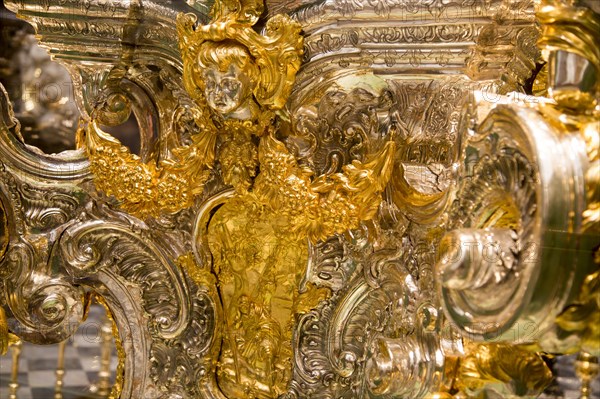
point(258, 238)
point(277, 233)
point(506, 369)
point(146, 188)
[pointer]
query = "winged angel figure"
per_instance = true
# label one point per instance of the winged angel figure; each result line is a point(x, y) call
point(240, 81)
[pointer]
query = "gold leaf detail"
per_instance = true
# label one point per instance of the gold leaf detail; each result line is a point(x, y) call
point(508, 369)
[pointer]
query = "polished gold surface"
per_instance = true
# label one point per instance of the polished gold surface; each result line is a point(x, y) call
point(587, 368)
point(150, 188)
point(116, 388)
point(258, 238)
point(277, 53)
point(147, 189)
point(571, 28)
point(591, 133)
point(583, 317)
point(13, 386)
point(258, 241)
point(60, 371)
point(504, 369)
point(3, 332)
point(353, 199)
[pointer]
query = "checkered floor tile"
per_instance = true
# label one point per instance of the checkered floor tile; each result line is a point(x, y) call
point(38, 363)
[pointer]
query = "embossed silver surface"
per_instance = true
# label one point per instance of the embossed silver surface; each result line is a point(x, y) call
point(408, 289)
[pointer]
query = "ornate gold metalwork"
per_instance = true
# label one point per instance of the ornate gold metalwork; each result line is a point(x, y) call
point(568, 28)
point(147, 189)
point(582, 318)
point(60, 371)
point(3, 332)
point(276, 53)
point(13, 386)
point(286, 247)
point(586, 368)
point(3, 231)
point(201, 276)
point(570, 31)
point(570, 120)
point(506, 369)
point(259, 245)
point(591, 216)
point(254, 360)
point(258, 238)
point(115, 391)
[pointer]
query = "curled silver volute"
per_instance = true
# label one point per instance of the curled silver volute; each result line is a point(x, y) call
point(166, 323)
point(410, 366)
point(46, 308)
point(508, 267)
point(91, 247)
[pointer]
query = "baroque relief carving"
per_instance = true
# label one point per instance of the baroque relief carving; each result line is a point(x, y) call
point(323, 204)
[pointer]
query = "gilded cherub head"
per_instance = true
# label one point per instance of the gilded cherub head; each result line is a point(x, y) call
point(229, 76)
point(232, 67)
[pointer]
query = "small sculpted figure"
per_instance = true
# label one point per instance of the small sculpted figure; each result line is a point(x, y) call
point(258, 260)
point(259, 238)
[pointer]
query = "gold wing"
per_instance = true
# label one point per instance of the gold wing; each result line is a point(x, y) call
point(331, 203)
point(147, 189)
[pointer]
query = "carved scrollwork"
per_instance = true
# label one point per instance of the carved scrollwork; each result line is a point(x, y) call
point(332, 341)
point(45, 307)
point(502, 368)
point(46, 209)
point(381, 40)
point(329, 265)
point(115, 82)
point(352, 326)
point(3, 230)
point(516, 208)
point(346, 123)
point(91, 247)
point(163, 318)
point(64, 167)
point(396, 362)
point(518, 64)
point(333, 252)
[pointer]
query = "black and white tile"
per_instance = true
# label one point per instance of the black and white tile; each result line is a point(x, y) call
point(37, 366)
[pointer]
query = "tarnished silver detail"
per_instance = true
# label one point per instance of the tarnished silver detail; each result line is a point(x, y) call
point(373, 70)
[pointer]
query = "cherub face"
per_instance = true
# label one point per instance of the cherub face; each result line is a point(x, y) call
point(228, 93)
